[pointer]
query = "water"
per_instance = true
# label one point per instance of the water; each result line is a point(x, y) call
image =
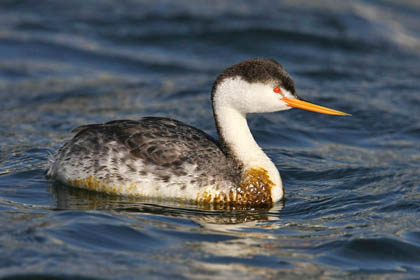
point(352, 183)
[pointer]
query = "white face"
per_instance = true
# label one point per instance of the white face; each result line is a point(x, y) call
point(252, 97)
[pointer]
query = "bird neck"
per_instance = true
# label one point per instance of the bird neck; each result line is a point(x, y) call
point(237, 141)
point(236, 138)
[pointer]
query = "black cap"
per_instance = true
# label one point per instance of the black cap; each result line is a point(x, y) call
point(258, 70)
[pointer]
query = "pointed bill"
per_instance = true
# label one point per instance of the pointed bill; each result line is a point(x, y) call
point(297, 103)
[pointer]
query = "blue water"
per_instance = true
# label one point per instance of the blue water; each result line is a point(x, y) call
point(352, 184)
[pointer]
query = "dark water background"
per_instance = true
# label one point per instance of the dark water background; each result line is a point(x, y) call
point(352, 184)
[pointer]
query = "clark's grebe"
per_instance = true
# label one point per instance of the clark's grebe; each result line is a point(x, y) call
point(165, 158)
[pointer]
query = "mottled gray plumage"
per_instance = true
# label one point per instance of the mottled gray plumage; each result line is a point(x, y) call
point(162, 144)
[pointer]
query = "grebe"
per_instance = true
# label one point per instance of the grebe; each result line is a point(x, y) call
point(165, 158)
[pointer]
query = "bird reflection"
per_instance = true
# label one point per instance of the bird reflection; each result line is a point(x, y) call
point(206, 215)
point(228, 239)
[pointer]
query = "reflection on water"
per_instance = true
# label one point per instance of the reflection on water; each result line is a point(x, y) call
point(80, 199)
point(234, 242)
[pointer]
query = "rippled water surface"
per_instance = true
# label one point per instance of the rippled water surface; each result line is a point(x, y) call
point(353, 184)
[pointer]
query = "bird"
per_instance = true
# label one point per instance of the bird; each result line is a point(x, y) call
point(159, 157)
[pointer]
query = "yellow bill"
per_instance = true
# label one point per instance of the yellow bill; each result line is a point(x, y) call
point(297, 103)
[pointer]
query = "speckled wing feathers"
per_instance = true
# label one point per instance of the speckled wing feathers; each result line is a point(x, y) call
point(164, 148)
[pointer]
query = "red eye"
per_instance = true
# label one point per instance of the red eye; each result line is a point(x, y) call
point(277, 90)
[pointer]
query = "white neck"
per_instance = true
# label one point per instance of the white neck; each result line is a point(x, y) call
point(234, 130)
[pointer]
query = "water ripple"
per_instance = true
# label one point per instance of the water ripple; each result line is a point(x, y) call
point(352, 184)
